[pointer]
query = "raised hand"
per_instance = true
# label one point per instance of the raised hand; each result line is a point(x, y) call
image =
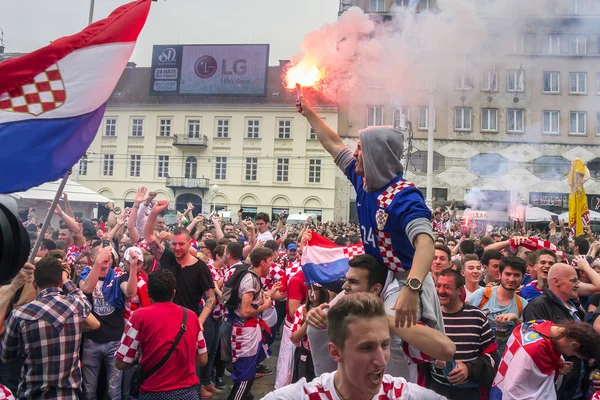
point(160, 206)
point(140, 196)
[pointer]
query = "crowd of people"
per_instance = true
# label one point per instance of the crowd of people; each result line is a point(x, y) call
point(428, 308)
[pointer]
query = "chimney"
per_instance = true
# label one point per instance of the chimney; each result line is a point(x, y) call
point(131, 64)
point(283, 63)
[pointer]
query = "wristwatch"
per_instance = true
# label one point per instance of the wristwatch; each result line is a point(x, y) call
point(414, 284)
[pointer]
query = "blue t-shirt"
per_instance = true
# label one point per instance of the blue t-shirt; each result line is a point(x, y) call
point(526, 280)
point(407, 206)
point(495, 310)
point(530, 291)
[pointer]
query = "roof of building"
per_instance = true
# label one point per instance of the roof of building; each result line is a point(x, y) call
point(134, 89)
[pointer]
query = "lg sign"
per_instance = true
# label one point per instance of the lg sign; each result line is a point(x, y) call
point(207, 66)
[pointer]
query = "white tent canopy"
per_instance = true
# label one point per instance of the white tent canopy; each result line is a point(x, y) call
point(536, 214)
point(46, 192)
point(300, 218)
point(594, 216)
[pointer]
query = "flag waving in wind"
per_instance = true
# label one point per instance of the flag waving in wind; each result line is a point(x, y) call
point(52, 100)
point(323, 261)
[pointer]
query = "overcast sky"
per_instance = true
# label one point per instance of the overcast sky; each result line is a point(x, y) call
point(30, 24)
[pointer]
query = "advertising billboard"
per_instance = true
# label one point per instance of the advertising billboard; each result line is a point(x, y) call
point(221, 70)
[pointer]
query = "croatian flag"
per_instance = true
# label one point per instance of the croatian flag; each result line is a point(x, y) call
point(323, 261)
point(52, 100)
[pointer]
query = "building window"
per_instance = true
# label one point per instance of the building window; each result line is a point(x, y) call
point(163, 166)
point(110, 127)
point(516, 80)
point(251, 168)
point(83, 164)
point(576, 7)
point(598, 123)
point(374, 115)
point(516, 120)
point(418, 161)
point(464, 80)
point(164, 127)
point(577, 82)
point(552, 44)
point(598, 83)
point(135, 162)
point(462, 119)
point(377, 6)
point(194, 128)
point(427, 5)
point(137, 127)
point(284, 128)
point(253, 128)
point(109, 165)
point(191, 167)
point(221, 168)
point(489, 119)
point(314, 171)
point(489, 80)
point(577, 121)
point(551, 167)
point(312, 135)
point(551, 122)
point(519, 43)
point(222, 128)
point(401, 116)
point(283, 169)
point(488, 164)
point(577, 44)
point(551, 82)
point(424, 118)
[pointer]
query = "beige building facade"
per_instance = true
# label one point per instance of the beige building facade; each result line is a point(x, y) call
point(258, 151)
point(508, 128)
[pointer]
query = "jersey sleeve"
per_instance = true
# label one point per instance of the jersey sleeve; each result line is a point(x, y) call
point(295, 391)
point(412, 207)
point(130, 343)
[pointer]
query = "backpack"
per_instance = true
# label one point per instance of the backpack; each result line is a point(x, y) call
point(488, 293)
point(231, 288)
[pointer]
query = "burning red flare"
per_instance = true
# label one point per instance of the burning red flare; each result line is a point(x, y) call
point(305, 73)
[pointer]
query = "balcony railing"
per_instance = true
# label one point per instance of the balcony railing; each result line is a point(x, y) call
point(188, 183)
point(184, 140)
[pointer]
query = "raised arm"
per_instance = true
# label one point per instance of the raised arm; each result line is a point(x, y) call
point(68, 208)
point(428, 340)
point(587, 289)
point(71, 224)
point(218, 231)
point(159, 207)
point(134, 234)
point(329, 139)
point(102, 259)
point(251, 238)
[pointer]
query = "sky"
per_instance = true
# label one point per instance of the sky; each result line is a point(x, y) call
point(280, 23)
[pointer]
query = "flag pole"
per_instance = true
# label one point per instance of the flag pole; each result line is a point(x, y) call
point(40, 237)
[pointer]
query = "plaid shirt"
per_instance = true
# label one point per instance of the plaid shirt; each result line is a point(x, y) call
point(48, 332)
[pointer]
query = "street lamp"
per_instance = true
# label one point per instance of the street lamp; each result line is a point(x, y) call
point(215, 190)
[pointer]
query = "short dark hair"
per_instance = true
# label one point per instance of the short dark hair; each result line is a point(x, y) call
point(459, 280)
point(547, 252)
point(486, 240)
point(470, 257)
point(531, 258)
point(352, 307)
point(581, 242)
point(218, 251)
point(262, 216)
point(377, 272)
point(48, 244)
point(61, 245)
point(161, 285)
point(496, 235)
point(514, 263)
point(260, 254)
point(181, 231)
point(467, 246)
point(272, 244)
point(210, 244)
point(48, 272)
point(445, 249)
point(491, 255)
point(235, 250)
point(355, 239)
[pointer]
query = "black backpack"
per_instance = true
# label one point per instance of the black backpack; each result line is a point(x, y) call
point(229, 295)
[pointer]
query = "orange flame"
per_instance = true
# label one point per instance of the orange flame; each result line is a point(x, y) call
point(305, 73)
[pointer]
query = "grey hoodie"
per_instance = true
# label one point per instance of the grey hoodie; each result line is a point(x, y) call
point(382, 148)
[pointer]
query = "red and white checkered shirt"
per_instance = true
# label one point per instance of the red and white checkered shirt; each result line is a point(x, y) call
point(297, 323)
point(74, 251)
point(5, 393)
point(291, 267)
point(219, 311)
point(276, 274)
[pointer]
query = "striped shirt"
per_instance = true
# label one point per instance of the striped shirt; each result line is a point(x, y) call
point(470, 331)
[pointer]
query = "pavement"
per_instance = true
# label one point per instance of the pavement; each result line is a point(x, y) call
point(261, 386)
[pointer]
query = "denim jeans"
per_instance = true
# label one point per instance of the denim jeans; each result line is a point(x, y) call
point(226, 329)
point(94, 354)
point(212, 333)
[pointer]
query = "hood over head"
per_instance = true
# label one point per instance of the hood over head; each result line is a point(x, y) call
point(382, 148)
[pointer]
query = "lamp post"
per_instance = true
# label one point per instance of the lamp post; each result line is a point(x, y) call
point(215, 190)
point(91, 17)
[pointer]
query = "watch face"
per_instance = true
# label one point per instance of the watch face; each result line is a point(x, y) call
point(414, 283)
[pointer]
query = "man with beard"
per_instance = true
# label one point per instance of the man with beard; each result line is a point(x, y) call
point(501, 304)
point(477, 352)
point(395, 222)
